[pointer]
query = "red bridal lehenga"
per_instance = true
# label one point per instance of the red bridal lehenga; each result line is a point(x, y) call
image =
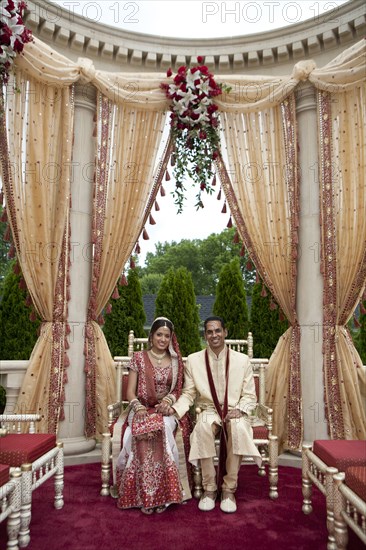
point(152, 468)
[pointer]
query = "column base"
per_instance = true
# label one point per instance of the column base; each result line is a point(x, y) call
point(77, 445)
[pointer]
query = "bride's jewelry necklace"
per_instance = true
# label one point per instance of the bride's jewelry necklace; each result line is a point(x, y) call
point(158, 356)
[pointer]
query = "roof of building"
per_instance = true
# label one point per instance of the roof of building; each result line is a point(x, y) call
point(205, 304)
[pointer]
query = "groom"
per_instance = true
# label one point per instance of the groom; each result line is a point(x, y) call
point(220, 381)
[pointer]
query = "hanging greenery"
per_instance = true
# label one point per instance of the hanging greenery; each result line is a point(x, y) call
point(195, 126)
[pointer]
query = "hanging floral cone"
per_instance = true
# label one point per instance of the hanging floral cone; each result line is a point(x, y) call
point(281, 316)
point(172, 160)
point(132, 263)
point(28, 300)
point(33, 316)
point(219, 195)
point(236, 238)
point(229, 223)
point(157, 207)
point(145, 235)
point(101, 320)
point(223, 211)
point(263, 292)
point(242, 251)
point(137, 248)
point(108, 308)
point(22, 284)
point(151, 220)
point(7, 234)
point(16, 268)
point(1, 198)
point(213, 183)
point(11, 253)
point(257, 278)
point(249, 265)
point(115, 294)
point(272, 305)
point(123, 280)
point(162, 191)
point(167, 176)
point(4, 216)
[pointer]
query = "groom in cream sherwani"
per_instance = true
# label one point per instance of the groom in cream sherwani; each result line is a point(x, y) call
point(220, 382)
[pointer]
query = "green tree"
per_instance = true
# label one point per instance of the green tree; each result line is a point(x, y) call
point(127, 314)
point(359, 335)
point(265, 323)
point(176, 300)
point(150, 283)
point(203, 259)
point(18, 333)
point(230, 302)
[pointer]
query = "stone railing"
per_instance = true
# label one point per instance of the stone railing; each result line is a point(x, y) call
point(11, 378)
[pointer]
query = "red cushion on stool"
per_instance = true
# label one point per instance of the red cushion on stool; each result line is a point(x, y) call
point(18, 449)
point(260, 432)
point(4, 474)
point(341, 453)
point(356, 480)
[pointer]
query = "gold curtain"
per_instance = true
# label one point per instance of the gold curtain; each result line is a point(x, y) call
point(128, 142)
point(261, 150)
point(342, 134)
point(40, 123)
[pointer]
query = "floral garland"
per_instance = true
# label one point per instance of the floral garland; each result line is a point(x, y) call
point(13, 35)
point(194, 125)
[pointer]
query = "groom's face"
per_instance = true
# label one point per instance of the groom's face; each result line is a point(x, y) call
point(215, 336)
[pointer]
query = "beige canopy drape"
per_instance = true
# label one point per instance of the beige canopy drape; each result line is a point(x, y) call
point(263, 196)
point(128, 141)
point(255, 100)
point(37, 190)
point(342, 144)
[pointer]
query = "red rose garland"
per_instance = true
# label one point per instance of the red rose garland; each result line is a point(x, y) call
point(13, 35)
point(194, 126)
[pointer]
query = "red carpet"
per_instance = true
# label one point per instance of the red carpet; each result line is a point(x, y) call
point(91, 522)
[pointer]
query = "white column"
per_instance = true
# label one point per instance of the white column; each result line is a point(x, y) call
point(71, 430)
point(309, 279)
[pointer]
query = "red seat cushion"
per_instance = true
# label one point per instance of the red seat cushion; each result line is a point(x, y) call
point(18, 449)
point(356, 480)
point(260, 432)
point(4, 474)
point(341, 453)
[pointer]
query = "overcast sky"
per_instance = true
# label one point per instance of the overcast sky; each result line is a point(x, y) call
point(196, 19)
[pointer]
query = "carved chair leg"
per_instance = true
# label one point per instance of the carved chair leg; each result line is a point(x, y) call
point(26, 505)
point(13, 523)
point(262, 468)
point(339, 502)
point(106, 464)
point(330, 506)
point(197, 481)
point(59, 477)
point(273, 466)
point(306, 483)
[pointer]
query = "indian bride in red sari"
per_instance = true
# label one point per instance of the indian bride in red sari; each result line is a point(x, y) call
point(152, 469)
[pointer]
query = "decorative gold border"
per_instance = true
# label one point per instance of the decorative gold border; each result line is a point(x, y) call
point(332, 397)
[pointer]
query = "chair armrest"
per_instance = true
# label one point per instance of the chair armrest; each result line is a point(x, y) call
point(265, 414)
point(13, 422)
point(114, 410)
